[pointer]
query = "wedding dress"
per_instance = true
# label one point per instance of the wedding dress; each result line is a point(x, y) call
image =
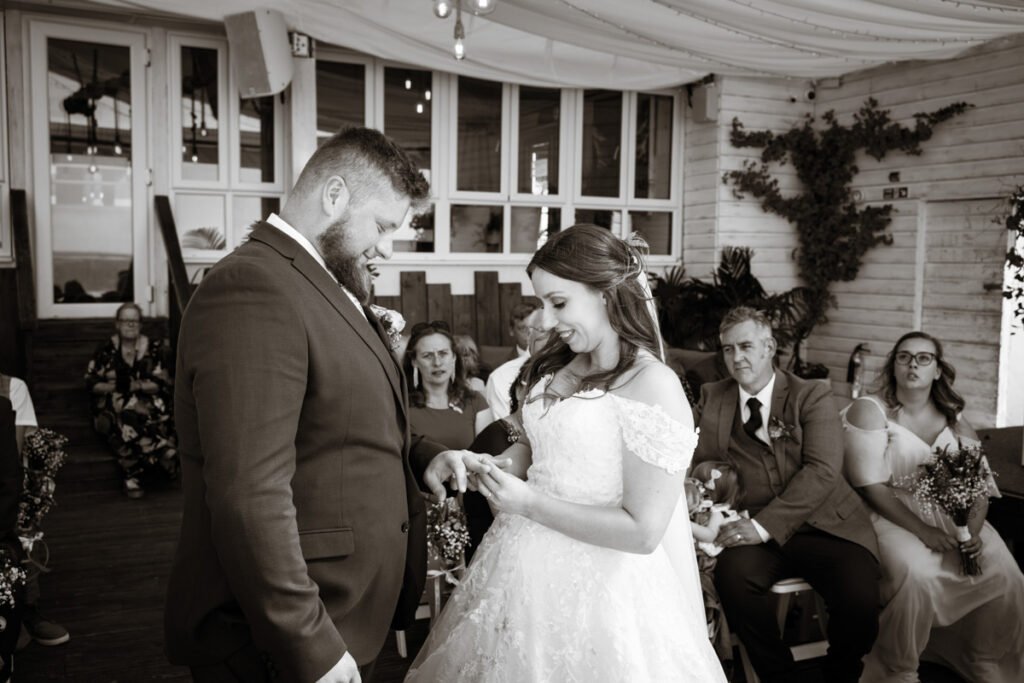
point(538, 606)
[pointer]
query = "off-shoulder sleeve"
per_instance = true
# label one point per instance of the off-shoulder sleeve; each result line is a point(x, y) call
point(865, 461)
point(655, 437)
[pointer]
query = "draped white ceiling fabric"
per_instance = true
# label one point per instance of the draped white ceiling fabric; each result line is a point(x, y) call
point(639, 44)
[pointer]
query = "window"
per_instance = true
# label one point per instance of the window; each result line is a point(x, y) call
point(340, 97)
point(599, 156)
point(228, 152)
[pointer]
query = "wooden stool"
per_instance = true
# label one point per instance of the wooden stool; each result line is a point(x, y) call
point(785, 589)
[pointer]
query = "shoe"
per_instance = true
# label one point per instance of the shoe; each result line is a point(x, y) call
point(45, 632)
point(132, 488)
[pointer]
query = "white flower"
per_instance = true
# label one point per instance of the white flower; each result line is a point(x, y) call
point(393, 323)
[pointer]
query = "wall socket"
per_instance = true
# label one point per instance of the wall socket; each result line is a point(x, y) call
point(302, 45)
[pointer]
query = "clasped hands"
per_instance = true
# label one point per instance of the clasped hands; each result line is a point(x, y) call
point(466, 470)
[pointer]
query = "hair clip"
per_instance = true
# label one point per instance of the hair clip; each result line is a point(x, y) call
point(715, 474)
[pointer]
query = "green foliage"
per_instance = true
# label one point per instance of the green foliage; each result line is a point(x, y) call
point(690, 310)
point(834, 234)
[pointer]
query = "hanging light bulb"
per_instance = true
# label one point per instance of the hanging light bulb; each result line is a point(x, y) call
point(419, 107)
point(427, 95)
point(118, 150)
point(481, 7)
point(460, 36)
point(442, 8)
point(408, 84)
point(202, 132)
point(93, 168)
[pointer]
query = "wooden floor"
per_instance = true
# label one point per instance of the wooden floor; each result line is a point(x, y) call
point(110, 557)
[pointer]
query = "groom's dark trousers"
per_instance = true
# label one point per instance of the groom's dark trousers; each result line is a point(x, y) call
point(820, 529)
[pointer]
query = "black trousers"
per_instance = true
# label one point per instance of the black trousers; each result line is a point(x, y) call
point(845, 574)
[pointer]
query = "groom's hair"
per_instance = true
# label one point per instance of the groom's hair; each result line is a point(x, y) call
point(368, 161)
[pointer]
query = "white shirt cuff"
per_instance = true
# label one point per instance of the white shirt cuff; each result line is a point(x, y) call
point(765, 536)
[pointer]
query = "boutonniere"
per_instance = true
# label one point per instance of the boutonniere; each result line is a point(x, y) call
point(777, 429)
point(393, 324)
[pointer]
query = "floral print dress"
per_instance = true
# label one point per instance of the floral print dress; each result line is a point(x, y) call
point(138, 426)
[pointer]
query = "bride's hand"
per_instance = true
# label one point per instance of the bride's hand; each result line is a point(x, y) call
point(505, 492)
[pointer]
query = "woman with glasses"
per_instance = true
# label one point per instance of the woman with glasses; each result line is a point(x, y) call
point(132, 401)
point(442, 405)
point(932, 611)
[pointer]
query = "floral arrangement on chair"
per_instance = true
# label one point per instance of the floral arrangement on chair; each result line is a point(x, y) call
point(44, 456)
point(447, 536)
point(951, 481)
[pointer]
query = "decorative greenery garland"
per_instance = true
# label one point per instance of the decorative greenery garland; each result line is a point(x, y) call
point(1015, 256)
point(834, 234)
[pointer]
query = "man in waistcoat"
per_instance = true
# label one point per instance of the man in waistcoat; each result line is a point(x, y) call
point(783, 435)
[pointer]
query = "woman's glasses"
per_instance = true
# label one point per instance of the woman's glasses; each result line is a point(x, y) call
point(923, 358)
point(438, 325)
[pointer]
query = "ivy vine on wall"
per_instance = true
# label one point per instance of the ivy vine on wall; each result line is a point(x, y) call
point(834, 234)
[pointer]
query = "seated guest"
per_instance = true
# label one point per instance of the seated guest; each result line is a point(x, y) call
point(499, 383)
point(782, 434)
point(34, 625)
point(132, 402)
point(519, 328)
point(467, 350)
point(442, 406)
point(972, 624)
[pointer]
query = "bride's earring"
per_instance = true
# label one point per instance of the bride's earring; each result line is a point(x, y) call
point(415, 377)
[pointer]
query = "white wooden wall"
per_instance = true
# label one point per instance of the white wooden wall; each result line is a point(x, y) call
point(944, 270)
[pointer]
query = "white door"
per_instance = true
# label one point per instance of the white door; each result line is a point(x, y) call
point(88, 114)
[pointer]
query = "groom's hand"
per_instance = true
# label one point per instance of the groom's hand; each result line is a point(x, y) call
point(453, 467)
point(345, 671)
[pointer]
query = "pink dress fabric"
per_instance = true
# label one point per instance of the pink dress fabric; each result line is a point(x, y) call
point(971, 624)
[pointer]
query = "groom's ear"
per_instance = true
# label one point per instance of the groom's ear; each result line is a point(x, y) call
point(335, 196)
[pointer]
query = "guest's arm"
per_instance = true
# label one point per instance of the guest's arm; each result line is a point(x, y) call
point(865, 442)
point(820, 467)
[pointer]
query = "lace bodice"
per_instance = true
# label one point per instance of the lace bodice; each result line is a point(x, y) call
point(579, 443)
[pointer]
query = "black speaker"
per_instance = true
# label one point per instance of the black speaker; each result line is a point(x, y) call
point(260, 52)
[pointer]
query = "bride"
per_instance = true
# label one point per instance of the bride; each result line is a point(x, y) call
point(588, 573)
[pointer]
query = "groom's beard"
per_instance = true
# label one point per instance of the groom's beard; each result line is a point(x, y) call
point(350, 269)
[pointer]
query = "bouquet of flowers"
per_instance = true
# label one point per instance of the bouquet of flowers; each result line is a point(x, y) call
point(44, 456)
point(12, 579)
point(447, 534)
point(951, 481)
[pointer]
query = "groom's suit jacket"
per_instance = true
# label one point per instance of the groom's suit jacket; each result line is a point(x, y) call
point(808, 458)
point(302, 518)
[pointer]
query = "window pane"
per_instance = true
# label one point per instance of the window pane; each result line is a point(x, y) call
point(479, 144)
point(200, 221)
point(407, 112)
point(605, 218)
point(539, 112)
point(602, 140)
point(477, 229)
point(532, 226)
point(653, 146)
point(423, 225)
point(90, 117)
point(200, 114)
point(656, 228)
point(247, 211)
point(340, 97)
point(256, 134)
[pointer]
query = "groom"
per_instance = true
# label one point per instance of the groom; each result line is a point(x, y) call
point(783, 435)
point(302, 518)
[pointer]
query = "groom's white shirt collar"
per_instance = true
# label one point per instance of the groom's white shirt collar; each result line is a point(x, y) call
point(282, 225)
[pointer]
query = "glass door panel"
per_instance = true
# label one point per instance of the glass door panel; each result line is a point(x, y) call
point(88, 152)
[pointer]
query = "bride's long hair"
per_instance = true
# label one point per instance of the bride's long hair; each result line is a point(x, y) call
point(595, 257)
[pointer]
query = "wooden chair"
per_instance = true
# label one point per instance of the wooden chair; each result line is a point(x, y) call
point(785, 589)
